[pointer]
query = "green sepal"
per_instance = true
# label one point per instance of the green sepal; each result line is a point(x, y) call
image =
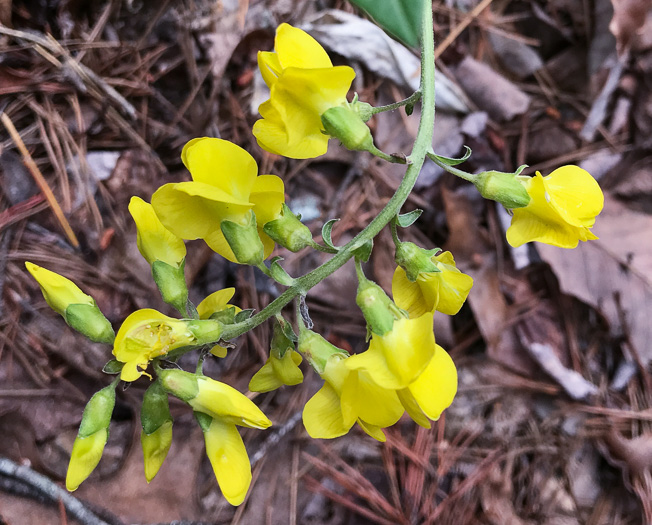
point(244, 240)
point(287, 328)
point(317, 350)
point(226, 316)
point(281, 343)
point(505, 188)
point(155, 409)
point(399, 18)
point(408, 219)
point(346, 124)
point(204, 420)
point(179, 383)
point(88, 320)
point(171, 282)
point(378, 309)
point(288, 231)
point(415, 260)
point(112, 367)
point(450, 161)
point(98, 411)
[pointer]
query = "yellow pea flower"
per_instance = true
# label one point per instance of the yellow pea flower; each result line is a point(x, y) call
point(155, 242)
point(303, 85)
point(444, 291)
point(155, 448)
point(147, 334)
point(395, 360)
point(277, 371)
point(77, 308)
point(225, 187)
point(432, 391)
point(562, 209)
point(225, 408)
point(349, 396)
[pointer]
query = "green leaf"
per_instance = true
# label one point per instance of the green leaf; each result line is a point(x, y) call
point(399, 18)
point(326, 230)
point(454, 162)
point(408, 219)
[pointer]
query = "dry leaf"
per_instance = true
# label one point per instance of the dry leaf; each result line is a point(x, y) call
point(613, 274)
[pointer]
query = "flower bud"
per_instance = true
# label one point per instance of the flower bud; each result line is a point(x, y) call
point(378, 309)
point(77, 308)
point(91, 438)
point(156, 434)
point(415, 260)
point(317, 350)
point(289, 231)
point(345, 124)
point(505, 188)
point(244, 240)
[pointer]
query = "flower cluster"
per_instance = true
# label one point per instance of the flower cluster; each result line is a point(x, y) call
point(242, 215)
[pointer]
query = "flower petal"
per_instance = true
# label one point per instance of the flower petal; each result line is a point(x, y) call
point(575, 194)
point(221, 164)
point(412, 408)
point(363, 398)
point(215, 302)
point(296, 48)
point(228, 456)
point(373, 431)
point(58, 291)
point(408, 295)
point(270, 67)
point(86, 454)
point(435, 389)
point(322, 415)
point(267, 196)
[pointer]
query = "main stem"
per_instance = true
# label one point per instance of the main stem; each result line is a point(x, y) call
point(422, 145)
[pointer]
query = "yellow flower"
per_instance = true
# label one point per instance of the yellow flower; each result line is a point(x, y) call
point(277, 371)
point(155, 242)
point(432, 391)
point(227, 407)
point(444, 291)
point(217, 302)
point(77, 308)
point(147, 334)
point(303, 85)
point(563, 206)
point(225, 186)
point(349, 396)
point(58, 291)
point(396, 359)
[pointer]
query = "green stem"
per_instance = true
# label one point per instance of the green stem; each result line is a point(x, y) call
point(394, 230)
point(325, 249)
point(412, 99)
point(452, 170)
point(389, 158)
point(422, 145)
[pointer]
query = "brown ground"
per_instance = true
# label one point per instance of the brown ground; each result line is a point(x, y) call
point(552, 421)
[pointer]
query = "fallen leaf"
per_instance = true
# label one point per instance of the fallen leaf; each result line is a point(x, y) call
point(613, 274)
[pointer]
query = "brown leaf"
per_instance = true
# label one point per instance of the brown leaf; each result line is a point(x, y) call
point(613, 274)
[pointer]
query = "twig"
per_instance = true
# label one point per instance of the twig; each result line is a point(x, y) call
point(50, 491)
point(274, 438)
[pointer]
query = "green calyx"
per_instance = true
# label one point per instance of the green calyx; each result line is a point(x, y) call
point(179, 383)
point(415, 260)
point(505, 188)
point(87, 319)
point(317, 350)
point(281, 341)
point(346, 124)
point(288, 231)
point(98, 411)
point(155, 410)
point(378, 309)
point(171, 282)
point(244, 240)
point(205, 331)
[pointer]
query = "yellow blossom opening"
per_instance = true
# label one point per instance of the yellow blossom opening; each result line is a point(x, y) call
point(277, 372)
point(562, 209)
point(303, 85)
point(86, 454)
point(225, 187)
point(58, 291)
point(147, 334)
point(444, 291)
